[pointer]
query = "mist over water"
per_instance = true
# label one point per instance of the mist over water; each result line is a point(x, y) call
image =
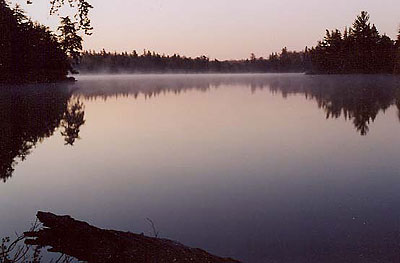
point(258, 167)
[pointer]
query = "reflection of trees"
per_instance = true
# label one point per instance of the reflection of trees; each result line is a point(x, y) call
point(150, 86)
point(72, 122)
point(28, 115)
point(398, 102)
point(356, 98)
point(359, 99)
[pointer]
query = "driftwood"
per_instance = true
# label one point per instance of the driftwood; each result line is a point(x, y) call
point(88, 243)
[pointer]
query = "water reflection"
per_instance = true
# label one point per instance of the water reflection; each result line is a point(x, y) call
point(31, 114)
point(358, 99)
point(74, 118)
point(245, 175)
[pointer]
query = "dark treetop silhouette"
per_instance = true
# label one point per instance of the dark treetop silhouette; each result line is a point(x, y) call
point(82, 9)
point(360, 49)
point(29, 52)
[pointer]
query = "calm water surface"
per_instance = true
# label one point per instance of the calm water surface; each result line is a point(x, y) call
point(262, 168)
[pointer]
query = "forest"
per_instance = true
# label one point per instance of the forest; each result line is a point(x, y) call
point(112, 62)
point(30, 52)
point(360, 49)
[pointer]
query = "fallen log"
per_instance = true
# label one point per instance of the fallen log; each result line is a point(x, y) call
point(88, 243)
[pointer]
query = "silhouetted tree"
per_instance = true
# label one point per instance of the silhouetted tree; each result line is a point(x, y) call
point(360, 49)
point(29, 52)
point(82, 9)
point(70, 41)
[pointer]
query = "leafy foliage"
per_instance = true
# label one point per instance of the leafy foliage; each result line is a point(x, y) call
point(82, 8)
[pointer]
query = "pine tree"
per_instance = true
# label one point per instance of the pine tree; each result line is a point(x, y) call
point(361, 49)
point(361, 25)
point(69, 39)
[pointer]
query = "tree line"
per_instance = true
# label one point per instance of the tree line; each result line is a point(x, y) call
point(360, 49)
point(113, 62)
point(30, 52)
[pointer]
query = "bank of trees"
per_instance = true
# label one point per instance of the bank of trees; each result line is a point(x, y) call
point(30, 52)
point(112, 62)
point(360, 49)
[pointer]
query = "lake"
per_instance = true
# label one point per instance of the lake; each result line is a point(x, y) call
point(257, 167)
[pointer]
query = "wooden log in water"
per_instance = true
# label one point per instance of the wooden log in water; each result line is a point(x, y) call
point(88, 243)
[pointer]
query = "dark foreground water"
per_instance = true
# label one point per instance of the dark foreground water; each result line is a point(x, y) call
point(262, 168)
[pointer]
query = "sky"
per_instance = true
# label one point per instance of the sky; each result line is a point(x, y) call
point(222, 29)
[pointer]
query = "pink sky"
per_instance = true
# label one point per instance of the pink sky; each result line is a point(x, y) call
point(223, 29)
